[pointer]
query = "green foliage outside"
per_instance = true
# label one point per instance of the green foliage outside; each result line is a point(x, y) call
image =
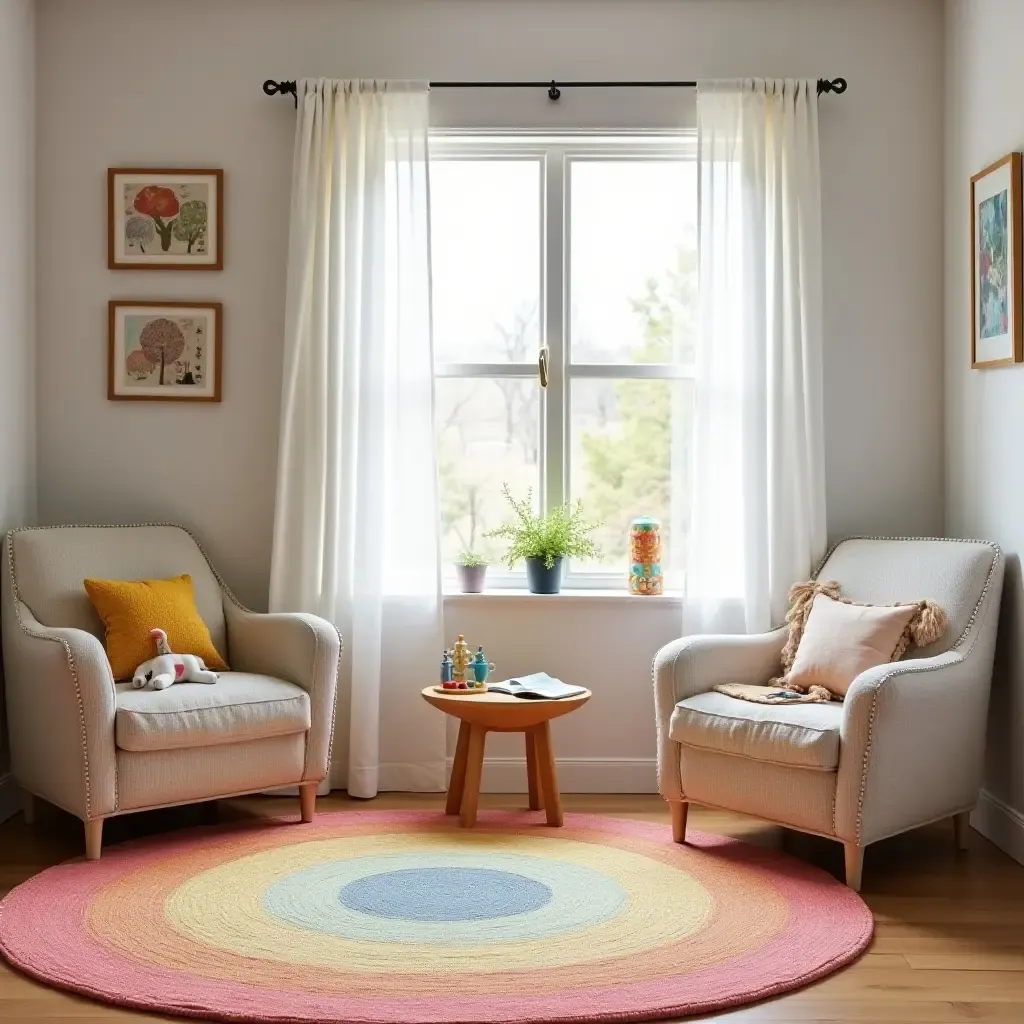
point(563, 532)
point(628, 473)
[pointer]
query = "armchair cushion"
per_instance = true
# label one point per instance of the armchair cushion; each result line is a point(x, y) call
point(800, 736)
point(240, 706)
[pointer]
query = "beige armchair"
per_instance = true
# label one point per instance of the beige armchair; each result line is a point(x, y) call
point(903, 749)
point(98, 748)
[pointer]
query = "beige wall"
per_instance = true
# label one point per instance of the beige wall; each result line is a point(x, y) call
point(984, 408)
point(119, 85)
point(17, 288)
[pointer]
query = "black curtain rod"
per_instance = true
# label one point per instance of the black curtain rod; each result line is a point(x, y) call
point(290, 88)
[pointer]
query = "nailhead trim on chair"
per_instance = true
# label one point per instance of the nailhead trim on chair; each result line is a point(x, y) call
point(71, 658)
point(905, 671)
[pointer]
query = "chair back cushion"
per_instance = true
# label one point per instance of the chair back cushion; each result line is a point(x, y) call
point(952, 573)
point(50, 565)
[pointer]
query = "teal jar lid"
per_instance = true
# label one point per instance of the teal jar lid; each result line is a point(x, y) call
point(645, 523)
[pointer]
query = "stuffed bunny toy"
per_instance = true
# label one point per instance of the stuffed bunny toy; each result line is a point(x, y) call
point(167, 667)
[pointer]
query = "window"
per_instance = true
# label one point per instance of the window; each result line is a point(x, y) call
point(585, 246)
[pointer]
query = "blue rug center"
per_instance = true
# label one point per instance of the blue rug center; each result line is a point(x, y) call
point(445, 894)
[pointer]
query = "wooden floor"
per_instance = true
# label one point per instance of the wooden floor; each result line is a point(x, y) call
point(948, 947)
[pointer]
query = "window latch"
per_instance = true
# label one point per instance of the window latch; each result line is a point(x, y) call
point(542, 367)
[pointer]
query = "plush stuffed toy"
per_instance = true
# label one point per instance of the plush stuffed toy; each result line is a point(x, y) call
point(167, 668)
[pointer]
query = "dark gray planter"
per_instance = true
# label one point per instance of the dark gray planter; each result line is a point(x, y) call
point(543, 580)
point(471, 578)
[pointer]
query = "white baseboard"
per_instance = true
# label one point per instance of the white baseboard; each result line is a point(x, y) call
point(10, 797)
point(575, 775)
point(1001, 824)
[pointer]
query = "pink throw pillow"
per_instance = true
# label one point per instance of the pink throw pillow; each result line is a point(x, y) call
point(842, 640)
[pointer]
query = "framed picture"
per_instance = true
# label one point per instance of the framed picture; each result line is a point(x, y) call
point(168, 351)
point(165, 219)
point(996, 264)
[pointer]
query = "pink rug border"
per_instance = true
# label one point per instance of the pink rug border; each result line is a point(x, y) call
point(807, 889)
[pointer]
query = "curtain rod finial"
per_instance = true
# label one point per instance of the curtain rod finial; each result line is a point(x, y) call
point(836, 85)
point(272, 88)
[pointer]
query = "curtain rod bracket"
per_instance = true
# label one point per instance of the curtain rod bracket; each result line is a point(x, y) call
point(554, 92)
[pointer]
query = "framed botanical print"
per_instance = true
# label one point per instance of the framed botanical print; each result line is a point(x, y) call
point(168, 351)
point(165, 219)
point(997, 261)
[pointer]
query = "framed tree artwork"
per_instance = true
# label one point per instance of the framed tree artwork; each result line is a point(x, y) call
point(165, 219)
point(165, 351)
point(997, 262)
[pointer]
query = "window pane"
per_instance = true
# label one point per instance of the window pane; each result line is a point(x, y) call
point(485, 250)
point(632, 279)
point(630, 457)
point(488, 434)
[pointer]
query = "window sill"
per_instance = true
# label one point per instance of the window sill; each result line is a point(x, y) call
point(576, 594)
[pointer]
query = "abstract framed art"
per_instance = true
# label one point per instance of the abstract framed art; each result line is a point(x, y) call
point(997, 261)
point(165, 219)
point(164, 351)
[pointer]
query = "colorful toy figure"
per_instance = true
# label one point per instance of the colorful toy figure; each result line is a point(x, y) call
point(645, 556)
point(461, 658)
point(446, 672)
point(481, 666)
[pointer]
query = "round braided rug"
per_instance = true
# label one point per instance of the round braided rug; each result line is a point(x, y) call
point(402, 917)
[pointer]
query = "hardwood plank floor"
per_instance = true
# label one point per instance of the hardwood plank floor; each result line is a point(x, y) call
point(948, 947)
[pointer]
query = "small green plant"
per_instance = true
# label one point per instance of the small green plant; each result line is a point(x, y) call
point(469, 558)
point(562, 533)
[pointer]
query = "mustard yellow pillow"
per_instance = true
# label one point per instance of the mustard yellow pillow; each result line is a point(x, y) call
point(131, 608)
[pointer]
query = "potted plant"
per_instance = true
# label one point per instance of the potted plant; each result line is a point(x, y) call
point(544, 542)
point(471, 570)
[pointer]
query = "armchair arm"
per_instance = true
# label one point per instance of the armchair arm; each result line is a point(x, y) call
point(695, 664)
point(912, 744)
point(302, 649)
point(61, 705)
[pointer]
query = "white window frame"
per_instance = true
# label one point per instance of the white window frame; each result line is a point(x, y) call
point(555, 154)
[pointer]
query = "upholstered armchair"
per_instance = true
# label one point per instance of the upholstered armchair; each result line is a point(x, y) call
point(903, 749)
point(98, 748)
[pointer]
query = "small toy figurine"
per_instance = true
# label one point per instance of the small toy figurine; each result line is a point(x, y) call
point(446, 672)
point(167, 668)
point(460, 661)
point(481, 666)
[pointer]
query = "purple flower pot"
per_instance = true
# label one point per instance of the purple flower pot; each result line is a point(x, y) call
point(471, 578)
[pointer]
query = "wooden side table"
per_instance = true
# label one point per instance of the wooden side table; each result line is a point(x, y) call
point(501, 712)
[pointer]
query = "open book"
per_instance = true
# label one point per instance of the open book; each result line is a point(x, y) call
point(537, 686)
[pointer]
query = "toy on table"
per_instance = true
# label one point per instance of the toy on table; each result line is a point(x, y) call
point(481, 666)
point(645, 575)
point(167, 667)
point(460, 659)
point(456, 662)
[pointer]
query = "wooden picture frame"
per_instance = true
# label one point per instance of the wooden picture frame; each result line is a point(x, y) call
point(165, 219)
point(160, 351)
point(997, 263)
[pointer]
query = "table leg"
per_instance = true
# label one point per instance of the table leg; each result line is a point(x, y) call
point(532, 777)
point(474, 769)
point(548, 777)
point(457, 784)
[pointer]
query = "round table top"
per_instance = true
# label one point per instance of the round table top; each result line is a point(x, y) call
point(501, 712)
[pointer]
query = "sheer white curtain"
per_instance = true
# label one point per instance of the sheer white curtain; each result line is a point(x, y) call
point(355, 530)
point(758, 485)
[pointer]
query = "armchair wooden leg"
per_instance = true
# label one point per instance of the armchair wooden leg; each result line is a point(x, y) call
point(678, 809)
point(28, 806)
point(307, 800)
point(961, 825)
point(93, 838)
point(854, 865)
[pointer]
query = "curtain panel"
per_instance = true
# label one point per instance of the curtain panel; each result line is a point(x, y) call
point(355, 527)
point(758, 481)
